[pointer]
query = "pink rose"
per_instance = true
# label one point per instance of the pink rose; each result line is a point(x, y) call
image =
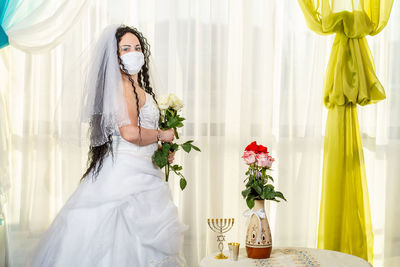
point(264, 160)
point(249, 157)
point(269, 161)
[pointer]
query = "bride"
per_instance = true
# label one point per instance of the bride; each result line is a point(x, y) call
point(121, 214)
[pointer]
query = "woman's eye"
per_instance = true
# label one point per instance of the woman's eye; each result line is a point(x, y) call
point(125, 49)
point(138, 49)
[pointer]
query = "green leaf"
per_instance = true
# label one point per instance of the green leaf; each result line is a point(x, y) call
point(176, 167)
point(270, 187)
point(196, 148)
point(172, 122)
point(182, 183)
point(170, 112)
point(258, 189)
point(268, 192)
point(160, 159)
point(250, 182)
point(186, 147)
point(174, 147)
point(165, 148)
point(246, 192)
point(280, 195)
point(250, 202)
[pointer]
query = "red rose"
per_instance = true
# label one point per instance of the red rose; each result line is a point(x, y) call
point(252, 147)
point(256, 148)
point(262, 149)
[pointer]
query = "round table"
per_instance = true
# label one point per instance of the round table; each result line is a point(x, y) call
point(287, 257)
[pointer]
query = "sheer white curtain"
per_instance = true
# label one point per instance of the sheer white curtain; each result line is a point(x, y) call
point(246, 70)
point(380, 128)
point(36, 26)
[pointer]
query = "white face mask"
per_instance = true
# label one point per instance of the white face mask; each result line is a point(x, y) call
point(133, 62)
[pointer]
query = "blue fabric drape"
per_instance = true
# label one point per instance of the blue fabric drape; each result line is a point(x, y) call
point(3, 35)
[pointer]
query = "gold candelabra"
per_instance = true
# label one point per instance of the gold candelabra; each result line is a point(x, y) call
point(221, 226)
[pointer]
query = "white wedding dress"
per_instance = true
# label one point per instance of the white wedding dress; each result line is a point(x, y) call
point(125, 218)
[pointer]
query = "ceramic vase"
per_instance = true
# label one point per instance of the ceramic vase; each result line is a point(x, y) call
point(258, 239)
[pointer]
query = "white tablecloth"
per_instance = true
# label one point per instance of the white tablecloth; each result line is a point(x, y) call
point(288, 257)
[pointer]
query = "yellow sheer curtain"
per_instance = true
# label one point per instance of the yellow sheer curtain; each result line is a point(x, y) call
point(345, 219)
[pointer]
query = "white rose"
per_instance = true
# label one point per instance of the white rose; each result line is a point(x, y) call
point(171, 98)
point(178, 104)
point(163, 102)
point(175, 102)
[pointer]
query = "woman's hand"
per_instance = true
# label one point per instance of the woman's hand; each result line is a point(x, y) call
point(167, 135)
point(171, 157)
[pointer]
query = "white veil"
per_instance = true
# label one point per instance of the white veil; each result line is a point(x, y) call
point(103, 102)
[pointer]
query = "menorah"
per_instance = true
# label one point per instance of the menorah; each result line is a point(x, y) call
point(221, 226)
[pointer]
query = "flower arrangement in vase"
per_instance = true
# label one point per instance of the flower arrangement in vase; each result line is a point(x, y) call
point(258, 189)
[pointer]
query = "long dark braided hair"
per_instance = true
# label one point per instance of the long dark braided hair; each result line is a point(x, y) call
point(97, 153)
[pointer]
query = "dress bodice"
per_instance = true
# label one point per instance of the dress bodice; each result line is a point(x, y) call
point(148, 115)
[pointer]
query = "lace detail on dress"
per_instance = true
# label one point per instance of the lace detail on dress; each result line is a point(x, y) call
point(169, 261)
point(149, 114)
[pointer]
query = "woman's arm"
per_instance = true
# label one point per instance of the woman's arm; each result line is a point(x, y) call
point(147, 136)
point(131, 132)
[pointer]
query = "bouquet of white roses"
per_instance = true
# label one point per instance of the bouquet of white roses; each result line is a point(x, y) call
point(170, 119)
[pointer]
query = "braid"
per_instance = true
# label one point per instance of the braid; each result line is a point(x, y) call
point(144, 74)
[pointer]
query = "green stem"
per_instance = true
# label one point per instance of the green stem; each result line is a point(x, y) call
point(253, 173)
point(176, 133)
point(167, 172)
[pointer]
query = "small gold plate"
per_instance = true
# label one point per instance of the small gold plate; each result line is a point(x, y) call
point(221, 256)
